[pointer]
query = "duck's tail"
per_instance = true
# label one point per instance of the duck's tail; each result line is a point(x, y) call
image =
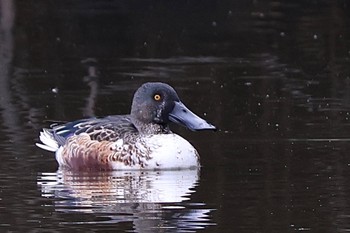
point(48, 141)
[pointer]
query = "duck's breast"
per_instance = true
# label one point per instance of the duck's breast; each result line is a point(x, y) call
point(167, 151)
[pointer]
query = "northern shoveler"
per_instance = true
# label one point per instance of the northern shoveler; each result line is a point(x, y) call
point(140, 140)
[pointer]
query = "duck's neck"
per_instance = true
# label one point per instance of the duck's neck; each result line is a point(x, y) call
point(150, 128)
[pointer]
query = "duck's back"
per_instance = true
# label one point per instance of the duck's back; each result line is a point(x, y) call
point(109, 128)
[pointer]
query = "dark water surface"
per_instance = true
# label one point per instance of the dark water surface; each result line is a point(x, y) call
point(273, 76)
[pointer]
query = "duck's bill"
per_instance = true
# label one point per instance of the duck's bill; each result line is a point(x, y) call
point(183, 116)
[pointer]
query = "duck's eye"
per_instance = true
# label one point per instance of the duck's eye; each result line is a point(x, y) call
point(157, 97)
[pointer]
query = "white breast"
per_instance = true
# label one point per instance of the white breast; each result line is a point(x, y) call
point(167, 151)
point(170, 151)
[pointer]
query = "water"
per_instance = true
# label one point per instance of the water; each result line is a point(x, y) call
point(272, 76)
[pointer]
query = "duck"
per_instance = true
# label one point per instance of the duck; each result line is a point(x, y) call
point(141, 140)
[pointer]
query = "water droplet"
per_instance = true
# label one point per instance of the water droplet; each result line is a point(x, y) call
point(54, 90)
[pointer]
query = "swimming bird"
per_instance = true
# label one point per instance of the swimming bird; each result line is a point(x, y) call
point(141, 140)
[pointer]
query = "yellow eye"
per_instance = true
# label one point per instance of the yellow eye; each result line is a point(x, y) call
point(156, 97)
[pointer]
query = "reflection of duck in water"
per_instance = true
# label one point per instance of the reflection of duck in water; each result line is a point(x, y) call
point(151, 200)
point(119, 186)
point(141, 140)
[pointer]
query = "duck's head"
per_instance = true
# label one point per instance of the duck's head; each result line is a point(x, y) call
point(158, 103)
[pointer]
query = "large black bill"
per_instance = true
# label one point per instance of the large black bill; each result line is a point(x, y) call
point(183, 116)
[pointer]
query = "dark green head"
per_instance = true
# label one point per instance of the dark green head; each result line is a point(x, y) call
point(158, 103)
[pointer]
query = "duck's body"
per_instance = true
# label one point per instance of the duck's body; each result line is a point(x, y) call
point(141, 140)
